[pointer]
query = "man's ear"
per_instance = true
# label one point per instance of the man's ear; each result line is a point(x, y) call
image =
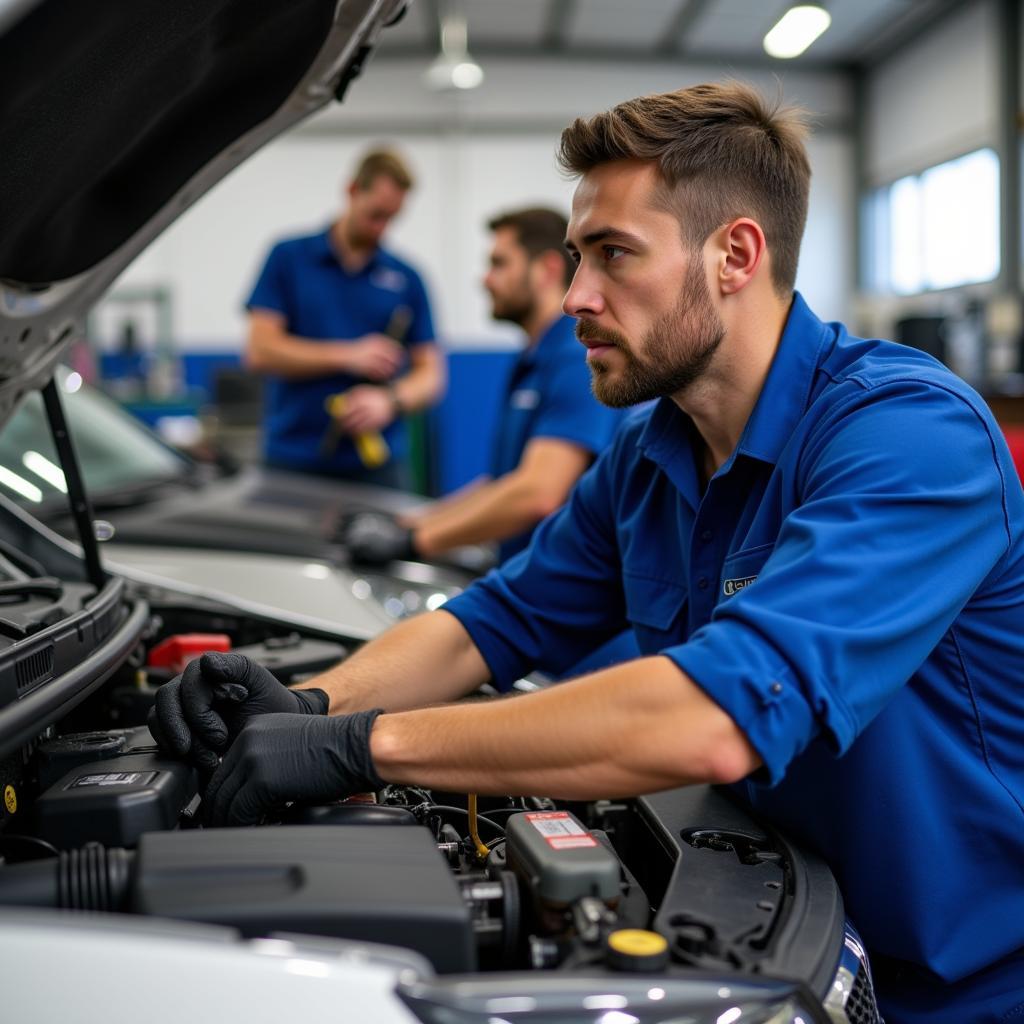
point(351, 189)
point(549, 268)
point(742, 249)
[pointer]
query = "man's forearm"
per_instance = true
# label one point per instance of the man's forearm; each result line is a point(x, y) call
point(291, 356)
point(424, 660)
point(423, 385)
point(634, 728)
point(496, 510)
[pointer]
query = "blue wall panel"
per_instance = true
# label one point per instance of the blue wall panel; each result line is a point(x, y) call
point(463, 425)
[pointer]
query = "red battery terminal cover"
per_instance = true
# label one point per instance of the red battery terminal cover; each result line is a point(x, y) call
point(175, 652)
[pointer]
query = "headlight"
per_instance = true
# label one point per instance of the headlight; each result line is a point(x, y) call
point(610, 1000)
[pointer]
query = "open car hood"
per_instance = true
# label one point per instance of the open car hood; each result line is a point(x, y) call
point(115, 118)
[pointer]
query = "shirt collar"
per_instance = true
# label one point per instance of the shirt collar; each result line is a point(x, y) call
point(778, 409)
point(323, 249)
point(787, 388)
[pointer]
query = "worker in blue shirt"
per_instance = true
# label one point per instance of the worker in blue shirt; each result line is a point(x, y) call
point(817, 539)
point(550, 427)
point(336, 314)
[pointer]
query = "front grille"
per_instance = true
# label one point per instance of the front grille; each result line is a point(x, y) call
point(861, 1007)
point(851, 997)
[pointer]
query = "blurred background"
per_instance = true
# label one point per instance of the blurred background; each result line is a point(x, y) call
point(914, 229)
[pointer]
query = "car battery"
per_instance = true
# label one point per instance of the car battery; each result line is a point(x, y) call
point(115, 801)
point(559, 861)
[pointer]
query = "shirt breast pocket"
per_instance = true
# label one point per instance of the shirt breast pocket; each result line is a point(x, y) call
point(656, 611)
point(742, 569)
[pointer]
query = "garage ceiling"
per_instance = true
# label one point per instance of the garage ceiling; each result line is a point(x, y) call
point(862, 31)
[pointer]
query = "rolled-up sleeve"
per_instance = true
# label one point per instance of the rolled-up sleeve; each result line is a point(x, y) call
point(901, 515)
point(558, 599)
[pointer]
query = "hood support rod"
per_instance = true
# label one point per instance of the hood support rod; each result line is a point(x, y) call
point(81, 510)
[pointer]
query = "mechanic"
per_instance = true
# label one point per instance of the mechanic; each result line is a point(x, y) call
point(550, 426)
point(337, 314)
point(816, 538)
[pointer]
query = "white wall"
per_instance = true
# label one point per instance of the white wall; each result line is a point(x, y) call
point(474, 154)
point(935, 99)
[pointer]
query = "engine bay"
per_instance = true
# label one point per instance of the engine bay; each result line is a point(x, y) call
point(96, 818)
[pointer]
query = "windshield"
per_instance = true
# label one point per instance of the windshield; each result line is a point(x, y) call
point(116, 452)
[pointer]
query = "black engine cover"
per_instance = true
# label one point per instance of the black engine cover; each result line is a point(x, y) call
point(387, 885)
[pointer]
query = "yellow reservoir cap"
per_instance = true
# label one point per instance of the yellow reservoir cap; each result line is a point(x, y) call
point(635, 949)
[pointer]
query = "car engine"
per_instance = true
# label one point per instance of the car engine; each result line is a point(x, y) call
point(97, 818)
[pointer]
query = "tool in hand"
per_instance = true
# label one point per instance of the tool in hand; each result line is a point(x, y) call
point(372, 449)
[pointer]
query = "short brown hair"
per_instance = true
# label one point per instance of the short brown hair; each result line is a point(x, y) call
point(538, 230)
point(722, 151)
point(383, 163)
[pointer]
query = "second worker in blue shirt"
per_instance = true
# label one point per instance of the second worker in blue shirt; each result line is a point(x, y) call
point(550, 427)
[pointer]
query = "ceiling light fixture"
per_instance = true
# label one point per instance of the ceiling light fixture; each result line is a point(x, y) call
point(453, 67)
point(796, 30)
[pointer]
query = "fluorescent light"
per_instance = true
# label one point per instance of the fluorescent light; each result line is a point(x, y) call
point(20, 485)
point(796, 30)
point(467, 74)
point(446, 73)
point(453, 68)
point(43, 467)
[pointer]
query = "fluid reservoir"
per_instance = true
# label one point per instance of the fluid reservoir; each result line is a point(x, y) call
point(559, 860)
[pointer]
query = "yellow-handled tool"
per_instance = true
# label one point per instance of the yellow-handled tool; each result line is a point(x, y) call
point(372, 449)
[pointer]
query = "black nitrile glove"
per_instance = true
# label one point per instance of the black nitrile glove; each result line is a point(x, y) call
point(374, 538)
point(199, 712)
point(280, 758)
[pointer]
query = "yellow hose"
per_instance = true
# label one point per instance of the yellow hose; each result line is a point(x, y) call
point(481, 848)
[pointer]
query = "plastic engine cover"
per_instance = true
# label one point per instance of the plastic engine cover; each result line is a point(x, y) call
point(114, 801)
point(387, 885)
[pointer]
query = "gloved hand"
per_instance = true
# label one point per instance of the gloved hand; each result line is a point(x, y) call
point(199, 712)
point(374, 538)
point(278, 758)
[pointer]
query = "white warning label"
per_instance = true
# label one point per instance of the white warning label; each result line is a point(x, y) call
point(561, 830)
point(108, 779)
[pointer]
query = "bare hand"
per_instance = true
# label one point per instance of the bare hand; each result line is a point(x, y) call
point(373, 356)
point(366, 408)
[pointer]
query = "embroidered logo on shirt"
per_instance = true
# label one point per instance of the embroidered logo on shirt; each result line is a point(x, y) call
point(525, 398)
point(388, 279)
point(731, 586)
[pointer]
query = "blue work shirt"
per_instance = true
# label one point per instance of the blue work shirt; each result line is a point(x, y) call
point(548, 395)
point(304, 281)
point(850, 589)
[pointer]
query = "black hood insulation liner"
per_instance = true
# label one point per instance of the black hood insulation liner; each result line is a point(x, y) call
point(105, 118)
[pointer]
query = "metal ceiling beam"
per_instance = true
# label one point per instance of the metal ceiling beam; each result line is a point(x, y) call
point(673, 42)
point(616, 55)
point(556, 25)
point(480, 126)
